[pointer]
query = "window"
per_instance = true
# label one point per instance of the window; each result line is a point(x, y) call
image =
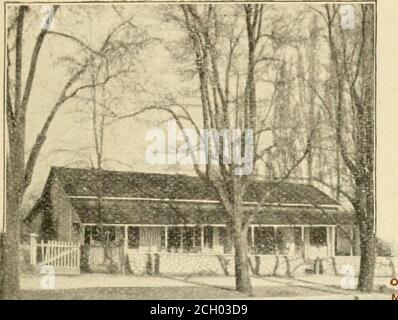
point(174, 239)
point(298, 245)
point(188, 237)
point(87, 235)
point(109, 233)
point(318, 236)
point(226, 239)
point(264, 240)
point(208, 237)
point(343, 241)
point(95, 234)
point(280, 242)
point(198, 238)
point(133, 235)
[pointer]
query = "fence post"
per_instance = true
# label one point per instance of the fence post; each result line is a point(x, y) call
point(33, 249)
point(78, 256)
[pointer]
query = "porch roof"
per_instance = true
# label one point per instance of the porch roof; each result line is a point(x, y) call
point(160, 213)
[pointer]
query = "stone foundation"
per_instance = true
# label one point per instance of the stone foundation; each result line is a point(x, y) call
point(385, 266)
point(211, 264)
point(263, 265)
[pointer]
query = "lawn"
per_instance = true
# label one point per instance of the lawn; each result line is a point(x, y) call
point(168, 293)
point(123, 287)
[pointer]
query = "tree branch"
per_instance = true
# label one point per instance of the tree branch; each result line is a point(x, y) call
point(18, 60)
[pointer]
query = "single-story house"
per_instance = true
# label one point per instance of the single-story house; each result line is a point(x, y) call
point(173, 213)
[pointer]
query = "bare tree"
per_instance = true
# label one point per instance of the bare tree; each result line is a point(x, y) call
point(220, 74)
point(203, 26)
point(352, 57)
point(20, 169)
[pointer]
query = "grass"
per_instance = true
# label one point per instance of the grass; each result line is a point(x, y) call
point(117, 287)
point(168, 293)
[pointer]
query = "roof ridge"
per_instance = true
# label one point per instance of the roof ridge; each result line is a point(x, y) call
point(123, 171)
point(81, 181)
point(179, 174)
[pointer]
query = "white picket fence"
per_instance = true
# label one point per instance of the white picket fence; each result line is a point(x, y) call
point(63, 256)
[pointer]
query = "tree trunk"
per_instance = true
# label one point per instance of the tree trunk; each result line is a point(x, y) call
point(15, 188)
point(9, 281)
point(9, 264)
point(364, 209)
point(242, 273)
point(368, 260)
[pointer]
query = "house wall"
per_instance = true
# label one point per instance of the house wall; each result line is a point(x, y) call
point(62, 211)
point(35, 225)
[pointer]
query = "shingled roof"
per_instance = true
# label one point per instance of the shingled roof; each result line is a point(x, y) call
point(121, 184)
point(156, 200)
point(163, 213)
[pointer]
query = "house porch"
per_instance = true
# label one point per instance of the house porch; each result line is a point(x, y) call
point(306, 241)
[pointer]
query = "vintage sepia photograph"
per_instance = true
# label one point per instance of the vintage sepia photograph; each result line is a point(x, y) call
point(192, 150)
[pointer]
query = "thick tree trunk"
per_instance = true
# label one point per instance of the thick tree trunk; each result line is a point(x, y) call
point(368, 260)
point(365, 214)
point(366, 220)
point(9, 263)
point(242, 272)
point(15, 188)
point(9, 281)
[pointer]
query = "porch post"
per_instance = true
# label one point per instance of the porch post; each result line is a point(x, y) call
point(182, 239)
point(302, 241)
point(83, 239)
point(166, 237)
point(328, 241)
point(333, 241)
point(81, 233)
point(352, 241)
point(126, 244)
point(252, 236)
point(275, 244)
point(202, 238)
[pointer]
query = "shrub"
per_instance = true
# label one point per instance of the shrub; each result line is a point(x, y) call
point(384, 248)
